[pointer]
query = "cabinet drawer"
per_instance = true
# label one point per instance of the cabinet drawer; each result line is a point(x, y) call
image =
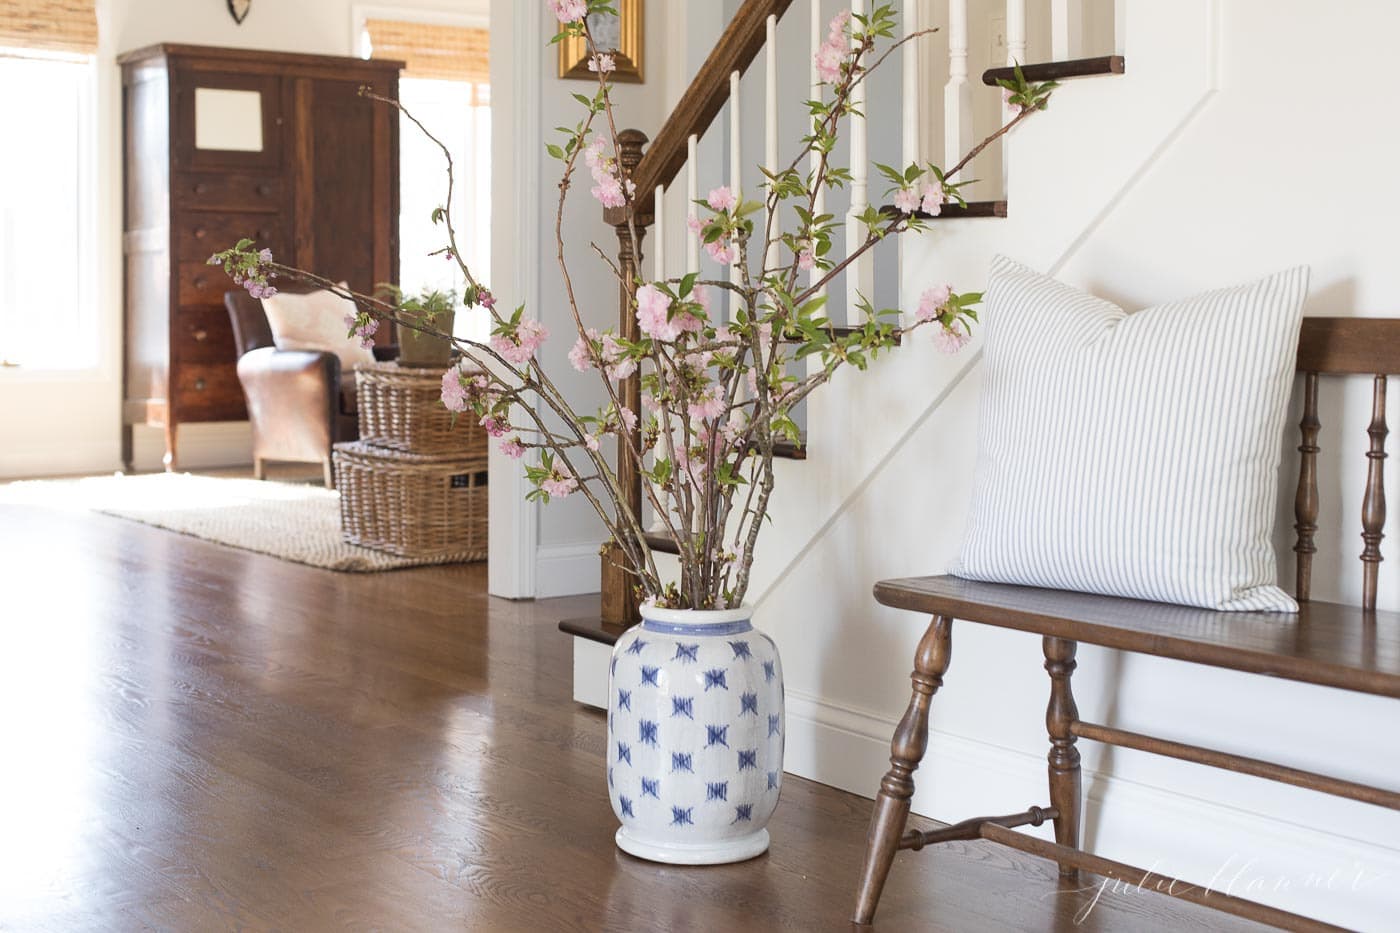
point(199, 235)
point(202, 335)
point(207, 392)
point(203, 191)
point(202, 284)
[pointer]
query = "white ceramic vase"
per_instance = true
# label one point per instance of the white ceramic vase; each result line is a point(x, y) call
point(695, 736)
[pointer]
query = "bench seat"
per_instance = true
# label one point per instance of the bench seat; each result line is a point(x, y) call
point(1326, 643)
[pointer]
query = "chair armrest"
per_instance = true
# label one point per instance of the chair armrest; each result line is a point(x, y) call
point(292, 401)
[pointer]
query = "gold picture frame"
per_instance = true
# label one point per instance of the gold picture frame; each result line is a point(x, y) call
point(621, 34)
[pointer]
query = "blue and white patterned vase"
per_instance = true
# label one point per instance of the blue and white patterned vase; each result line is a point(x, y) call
point(695, 736)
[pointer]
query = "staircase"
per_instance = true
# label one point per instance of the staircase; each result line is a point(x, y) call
point(672, 158)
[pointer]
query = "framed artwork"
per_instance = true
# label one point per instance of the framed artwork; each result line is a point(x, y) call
point(621, 35)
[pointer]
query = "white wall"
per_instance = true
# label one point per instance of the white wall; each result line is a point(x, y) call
point(1242, 140)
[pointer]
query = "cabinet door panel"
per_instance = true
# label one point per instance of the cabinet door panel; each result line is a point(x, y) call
point(346, 183)
point(226, 120)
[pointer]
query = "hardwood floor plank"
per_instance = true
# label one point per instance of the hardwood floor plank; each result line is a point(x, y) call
point(204, 738)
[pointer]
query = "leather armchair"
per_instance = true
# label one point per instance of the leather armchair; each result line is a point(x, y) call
point(299, 401)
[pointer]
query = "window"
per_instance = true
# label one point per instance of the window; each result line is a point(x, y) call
point(47, 243)
point(445, 84)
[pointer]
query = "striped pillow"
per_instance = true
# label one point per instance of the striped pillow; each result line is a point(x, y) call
point(1133, 454)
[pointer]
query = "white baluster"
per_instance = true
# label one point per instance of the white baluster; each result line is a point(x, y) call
point(1015, 32)
point(1066, 29)
point(736, 165)
point(770, 120)
point(860, 278)
point(909, 61)
point(957, 95)
point(658, 247)
point(692, 194)
point(1015, 55)
point(817, 33)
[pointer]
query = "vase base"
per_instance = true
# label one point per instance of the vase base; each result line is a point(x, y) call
point(717, 853)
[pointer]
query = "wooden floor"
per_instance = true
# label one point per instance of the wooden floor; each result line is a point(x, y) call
point(198, 738)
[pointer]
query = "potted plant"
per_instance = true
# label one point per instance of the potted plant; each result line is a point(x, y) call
point(695, 724)
point(426, 323)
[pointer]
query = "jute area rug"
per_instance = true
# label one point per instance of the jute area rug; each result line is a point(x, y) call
point(291, 521)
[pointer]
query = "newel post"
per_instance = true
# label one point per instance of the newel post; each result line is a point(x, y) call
point(619, 593)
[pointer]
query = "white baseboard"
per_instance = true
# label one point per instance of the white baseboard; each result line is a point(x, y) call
point(201, 446)
point(567, 570)
point(1269, 858)
point(73, 457)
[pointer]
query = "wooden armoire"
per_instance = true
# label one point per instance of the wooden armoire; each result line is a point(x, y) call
point(222, 144)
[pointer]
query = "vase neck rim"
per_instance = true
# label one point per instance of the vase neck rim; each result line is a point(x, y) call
point(657, 619)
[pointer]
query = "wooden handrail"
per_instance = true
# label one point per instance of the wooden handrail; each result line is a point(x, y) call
point(739, 45)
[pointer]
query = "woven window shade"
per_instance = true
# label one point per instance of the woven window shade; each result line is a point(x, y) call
point(453, 53)
point(54, 25)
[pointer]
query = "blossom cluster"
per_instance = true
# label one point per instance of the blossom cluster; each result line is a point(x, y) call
point(928, 197)
point(569, 11)
point(247, 268)
point(519, 342)
point(607, 176)
point(720, 247)
point(835, 50)
point(363, 328)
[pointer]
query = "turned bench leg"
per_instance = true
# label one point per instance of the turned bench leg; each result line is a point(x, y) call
point(906, 751)
point(1066, 795)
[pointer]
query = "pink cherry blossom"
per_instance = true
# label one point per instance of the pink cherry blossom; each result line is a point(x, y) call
point(519, 348)
point(581, 355)
point(907, 200)
point(805, 259)
point(650, 403)
point(602, 63)
point(934, 197)
point(454, 394)
point(952, 337)
point(722, 199)
point(569, 11)
point(932, 302)
point(694, 222)
point(560, 482)
point(513, 448)
point(834, 50)
point(722, 252)
point(710, 404)
point(494, 426)
point(615, 360)
point(591, 441)
point(628, 417)
point(652, 307)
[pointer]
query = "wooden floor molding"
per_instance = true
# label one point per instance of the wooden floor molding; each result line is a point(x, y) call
point(200, 737)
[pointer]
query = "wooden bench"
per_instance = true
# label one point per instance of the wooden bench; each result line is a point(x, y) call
point(1351, 648)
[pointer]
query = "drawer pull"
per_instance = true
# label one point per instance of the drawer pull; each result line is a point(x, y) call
point(262, 235)
point(200, 188)
point(201, 335)
point(199, 233)
point(264, 190)
point(200, 282)
point(199, 385)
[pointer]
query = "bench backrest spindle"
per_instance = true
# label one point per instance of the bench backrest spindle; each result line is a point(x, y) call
point(1345, 347)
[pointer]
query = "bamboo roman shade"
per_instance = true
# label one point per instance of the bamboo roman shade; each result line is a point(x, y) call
point(452, 53)
point(54, 25)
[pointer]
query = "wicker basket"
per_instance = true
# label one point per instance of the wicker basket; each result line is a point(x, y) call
point(429, 508)
point(401, 409)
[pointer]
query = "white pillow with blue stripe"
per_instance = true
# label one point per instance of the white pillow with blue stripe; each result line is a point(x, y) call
point(1134, 454)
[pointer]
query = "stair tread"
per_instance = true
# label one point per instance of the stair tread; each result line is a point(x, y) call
point(955, 211)
point(593, 629)
point(1059, 71)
